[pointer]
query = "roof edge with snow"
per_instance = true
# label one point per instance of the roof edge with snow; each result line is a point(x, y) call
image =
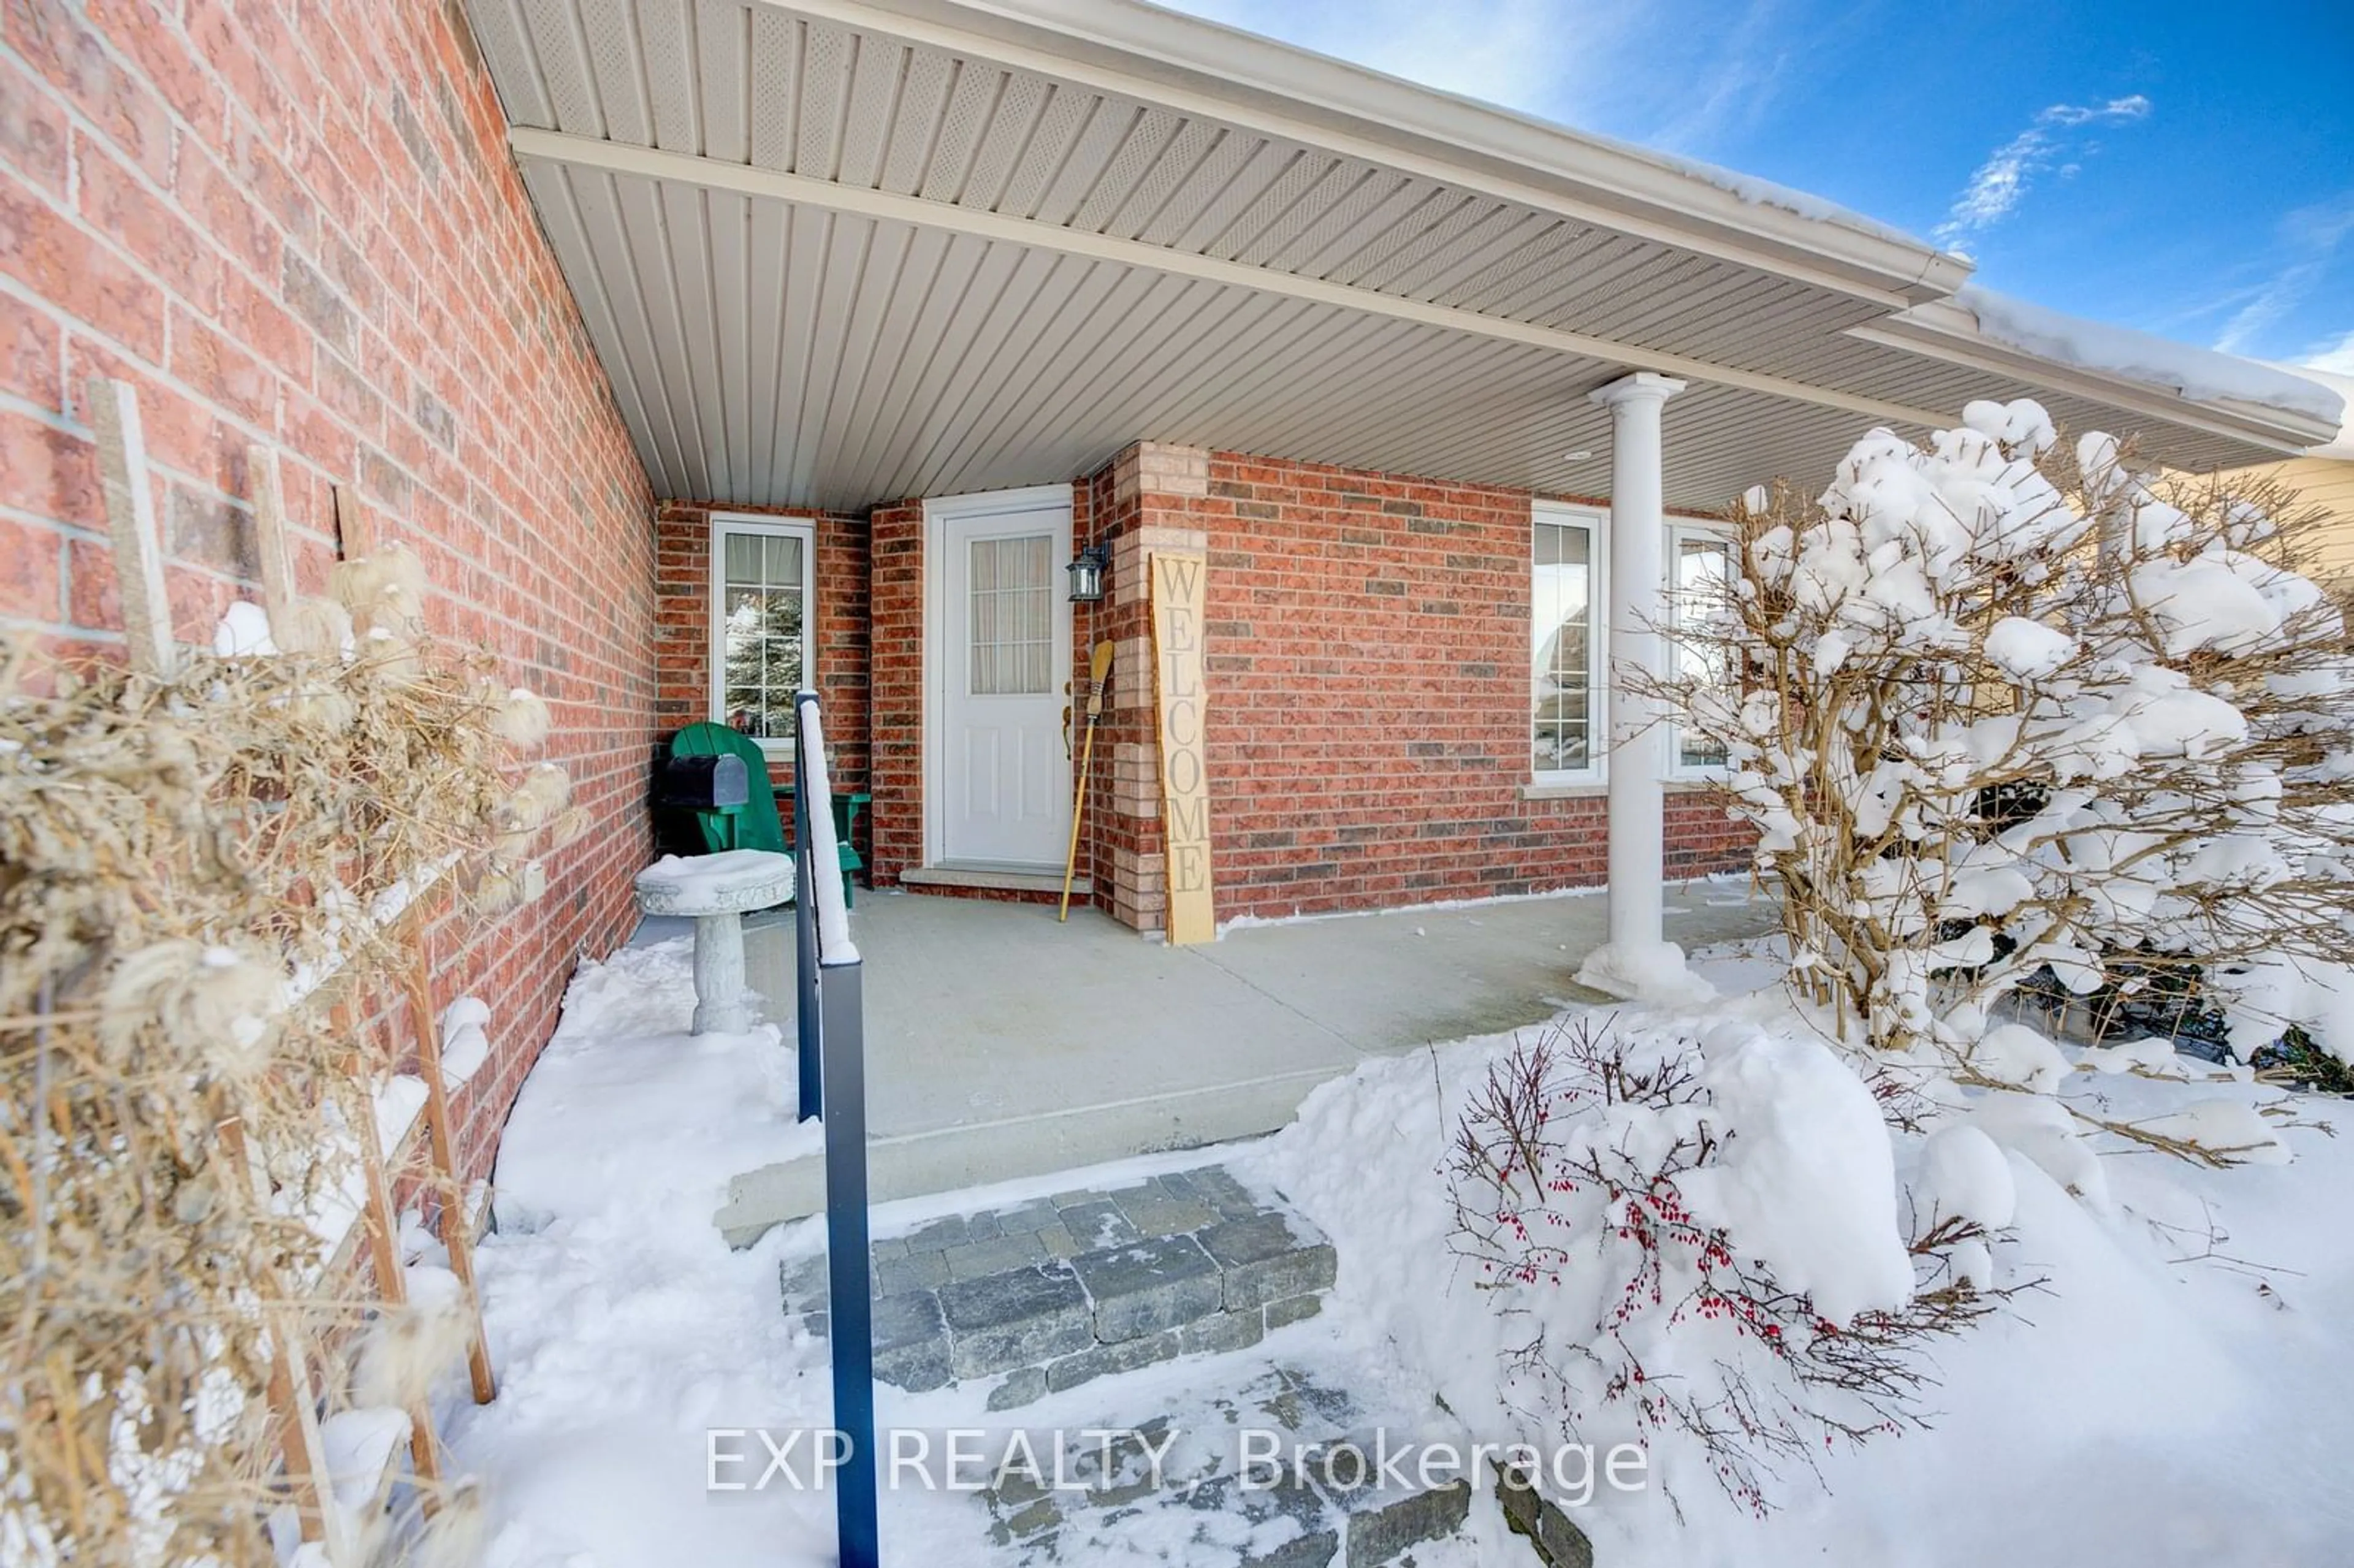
point(2283, 410)
point(1404, 123)
point(2339, 448)
point(1636, 189)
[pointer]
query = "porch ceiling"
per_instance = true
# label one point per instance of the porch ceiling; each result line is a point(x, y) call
point(1009, 248)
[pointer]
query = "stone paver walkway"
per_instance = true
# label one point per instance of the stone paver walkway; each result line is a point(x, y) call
point(1210, 1509)
point(1055, 1292)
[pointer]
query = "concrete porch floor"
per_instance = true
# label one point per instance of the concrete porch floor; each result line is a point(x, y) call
point(1001, 1044)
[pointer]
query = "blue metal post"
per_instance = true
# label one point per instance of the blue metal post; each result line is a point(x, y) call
point(834, 1010)
point(809, 1038)
point(852, 1330)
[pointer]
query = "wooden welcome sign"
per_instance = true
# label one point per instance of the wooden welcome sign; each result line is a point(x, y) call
point(1178, 581)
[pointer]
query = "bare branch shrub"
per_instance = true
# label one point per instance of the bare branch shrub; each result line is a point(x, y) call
point(1565, 1176)
point(199, 879)
point(2007, 712)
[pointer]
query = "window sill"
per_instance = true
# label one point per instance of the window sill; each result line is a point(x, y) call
point(1594, 788)
point(1584, 790)
point(772, 747)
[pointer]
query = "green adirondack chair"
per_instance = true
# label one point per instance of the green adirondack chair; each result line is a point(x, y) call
point(759, 824)
point(756, 826)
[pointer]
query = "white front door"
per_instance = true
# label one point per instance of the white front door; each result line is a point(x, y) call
point(1000, 655)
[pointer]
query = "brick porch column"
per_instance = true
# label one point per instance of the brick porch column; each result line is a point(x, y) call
point(895, 688)
point(1155, 489)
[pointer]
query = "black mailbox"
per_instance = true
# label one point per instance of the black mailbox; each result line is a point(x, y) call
point(706, 783)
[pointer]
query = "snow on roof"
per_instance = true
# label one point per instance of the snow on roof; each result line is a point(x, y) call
point(1759, 192)
point(1752, 189)
point(2342, 448)
point(2201, 375)
point(1232, 56)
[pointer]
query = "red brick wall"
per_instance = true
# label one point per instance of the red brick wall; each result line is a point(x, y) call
point(1368, 698)
point(895, 735)
point(296, 221)
point(1368, 675)
point(840, 628)
point(1098, 517)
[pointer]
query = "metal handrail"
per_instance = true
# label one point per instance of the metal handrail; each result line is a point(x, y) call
point(830, 1014)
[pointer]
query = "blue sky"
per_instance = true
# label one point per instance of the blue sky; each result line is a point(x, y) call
point(2183, 168)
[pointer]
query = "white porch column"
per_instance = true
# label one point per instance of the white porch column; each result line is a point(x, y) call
point(1638, 959)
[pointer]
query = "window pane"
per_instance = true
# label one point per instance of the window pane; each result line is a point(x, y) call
point(784, 618)
point(1011, 614)
point(1561, 650)
point(1703, 580)
point(763, 648)
point(784, 561)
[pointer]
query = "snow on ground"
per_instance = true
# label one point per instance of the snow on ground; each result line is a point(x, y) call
point(620, 1323)
point(2180, 1392)
point(625, 1108)
point(2177, 1393)
point(624, 1329)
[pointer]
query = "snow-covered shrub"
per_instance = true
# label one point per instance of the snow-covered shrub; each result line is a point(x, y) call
point(1699, 1237)
point(2004, 710)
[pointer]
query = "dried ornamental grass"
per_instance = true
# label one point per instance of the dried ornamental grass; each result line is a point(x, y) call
point(199, 875)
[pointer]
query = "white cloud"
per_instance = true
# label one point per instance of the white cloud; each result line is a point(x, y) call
point(1731, 89)
point(2002, 182)
point(2311, 237)
point(1654, 71)
point(2337, 357)
point(1537, 56)
point(2132, 106)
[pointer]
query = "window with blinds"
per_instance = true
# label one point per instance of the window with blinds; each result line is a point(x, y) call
point(1013, 616)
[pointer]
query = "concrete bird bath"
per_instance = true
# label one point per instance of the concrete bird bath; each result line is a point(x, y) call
point(715, 890)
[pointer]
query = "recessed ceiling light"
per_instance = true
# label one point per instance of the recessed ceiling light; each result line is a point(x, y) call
point(1580, 455)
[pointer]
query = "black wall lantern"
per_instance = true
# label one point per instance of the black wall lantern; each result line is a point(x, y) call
point(1086, 571)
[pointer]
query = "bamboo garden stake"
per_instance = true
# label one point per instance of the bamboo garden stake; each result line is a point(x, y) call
point(1099, 665)
point(131, 520)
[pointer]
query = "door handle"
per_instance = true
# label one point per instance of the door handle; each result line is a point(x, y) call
point(1067, 729)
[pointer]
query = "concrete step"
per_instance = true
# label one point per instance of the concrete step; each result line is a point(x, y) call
point(916, 1164)
point(1052, 1293)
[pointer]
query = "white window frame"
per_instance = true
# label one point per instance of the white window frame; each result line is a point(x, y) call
point(724, 523)
point(1597, 525)
point(1679, 530)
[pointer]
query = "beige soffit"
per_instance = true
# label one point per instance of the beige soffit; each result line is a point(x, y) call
point(616, 157)
point(1205, 68)
point(833, 252)
point(755, 85)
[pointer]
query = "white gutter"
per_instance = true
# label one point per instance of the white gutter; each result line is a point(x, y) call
point(1948, 331)
point(2340, 447)
point(1204, 68)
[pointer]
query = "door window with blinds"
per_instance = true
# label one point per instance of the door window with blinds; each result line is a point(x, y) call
point(1012, 620)
point(763, 596)
point(1565, 693)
